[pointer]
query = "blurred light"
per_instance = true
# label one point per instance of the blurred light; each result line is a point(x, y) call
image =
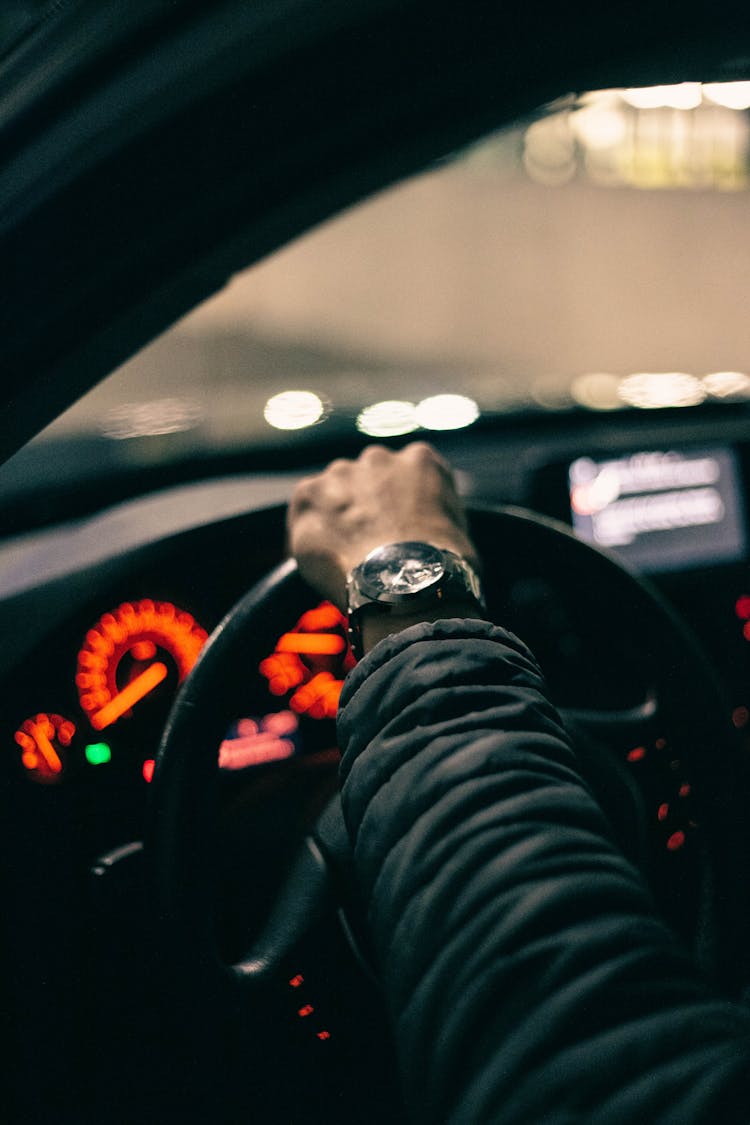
point(281, 723)
point(253, 750)
point(549, 154)
point(388, 419)
point(597, 391)
point(727, 384)
point(742, 607)
point(637, 754)
point(732, 95)
point(446, 412)
point(683, 95)
point(552, 394)
point(599, 126)
point(254, 742)
point(740, 717)
point(594, 495)
point(149, 419)
point(294, 410)
point(296, 981)
point(654, 390)
point(148, 769)
point(311, 644)
point(306, 1010)
point(98, 753)
point(675, 841)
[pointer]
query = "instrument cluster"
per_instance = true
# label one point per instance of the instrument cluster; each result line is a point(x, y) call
point(104, 706)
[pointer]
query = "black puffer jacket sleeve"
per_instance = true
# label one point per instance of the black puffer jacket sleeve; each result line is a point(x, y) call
point(528, 975)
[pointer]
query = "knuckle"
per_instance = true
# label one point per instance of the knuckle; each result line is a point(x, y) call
point(303, 493)
point(422, 452)
point(374, 453)
point(338, 466)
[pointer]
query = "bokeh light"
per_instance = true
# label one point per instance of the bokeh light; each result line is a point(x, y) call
point(661, 389)
point(388, 419)
point(294, 410)
point(446, 412)
point(727, 384)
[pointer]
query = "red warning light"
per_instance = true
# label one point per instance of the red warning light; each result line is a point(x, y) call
point(148, 769)
point(663, 811)
point(323, 1034)
point(684, 790)
point(637, 754)
point(742, 607)
point(295, 982)
point(676, 840)
point(306, 1011)
point(740, 717)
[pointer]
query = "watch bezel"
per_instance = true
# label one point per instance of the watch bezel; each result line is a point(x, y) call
point(374, 590)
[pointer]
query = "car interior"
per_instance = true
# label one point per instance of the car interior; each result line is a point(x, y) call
point(243, 240)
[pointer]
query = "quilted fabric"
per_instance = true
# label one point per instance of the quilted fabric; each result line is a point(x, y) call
point(528, 974)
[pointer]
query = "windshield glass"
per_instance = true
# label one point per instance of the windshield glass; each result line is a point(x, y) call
point(591, 258)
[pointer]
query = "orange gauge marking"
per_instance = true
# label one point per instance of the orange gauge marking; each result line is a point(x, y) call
point(310, 662)
point(41, 740)
point(142, 632)
point(136, 690)
point(311, 644)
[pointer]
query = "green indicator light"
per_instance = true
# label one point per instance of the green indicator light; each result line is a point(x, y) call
point(98, 753)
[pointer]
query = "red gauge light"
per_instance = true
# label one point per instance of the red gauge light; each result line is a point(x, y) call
point(310, 661)
point(119, 665)
point(740, 717)
point(44, 740)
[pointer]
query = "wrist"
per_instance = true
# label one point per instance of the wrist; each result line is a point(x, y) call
point(375, 626)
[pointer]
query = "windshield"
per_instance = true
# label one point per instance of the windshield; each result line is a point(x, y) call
point(594, 257)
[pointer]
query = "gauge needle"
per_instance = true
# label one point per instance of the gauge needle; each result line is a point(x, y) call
point(129, 696)
point(45, 748)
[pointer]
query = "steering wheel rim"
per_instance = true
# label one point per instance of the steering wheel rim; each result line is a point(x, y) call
point(510, 541)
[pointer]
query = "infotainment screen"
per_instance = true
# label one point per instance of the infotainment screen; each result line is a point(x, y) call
point(661, 510)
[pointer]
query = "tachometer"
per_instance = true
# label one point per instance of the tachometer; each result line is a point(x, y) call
point(309, 662)
point(129, 653)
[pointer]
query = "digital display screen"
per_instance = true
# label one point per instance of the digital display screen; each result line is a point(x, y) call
point(661, 510)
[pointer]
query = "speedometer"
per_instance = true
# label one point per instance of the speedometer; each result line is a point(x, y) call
point(129, 653)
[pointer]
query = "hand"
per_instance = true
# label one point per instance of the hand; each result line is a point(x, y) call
point(337, 517)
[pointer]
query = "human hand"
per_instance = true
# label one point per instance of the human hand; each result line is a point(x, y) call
point(337, 517)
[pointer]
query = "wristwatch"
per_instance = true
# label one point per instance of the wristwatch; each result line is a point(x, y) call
point(405, 578)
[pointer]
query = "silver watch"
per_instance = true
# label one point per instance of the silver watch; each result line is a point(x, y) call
point(406, 577)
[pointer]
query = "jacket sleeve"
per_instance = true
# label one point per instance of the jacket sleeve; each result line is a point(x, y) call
point(528, 975)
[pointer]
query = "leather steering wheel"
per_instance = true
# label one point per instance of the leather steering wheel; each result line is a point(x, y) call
point(675, 743)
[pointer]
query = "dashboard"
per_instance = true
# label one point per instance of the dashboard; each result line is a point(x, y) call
point(106, 616)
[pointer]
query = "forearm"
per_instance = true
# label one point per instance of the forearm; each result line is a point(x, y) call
point(528, 976)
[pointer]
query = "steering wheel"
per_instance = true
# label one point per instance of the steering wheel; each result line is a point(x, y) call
point(302, 1000)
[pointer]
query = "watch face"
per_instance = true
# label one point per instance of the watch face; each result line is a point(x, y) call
point(400, 569)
